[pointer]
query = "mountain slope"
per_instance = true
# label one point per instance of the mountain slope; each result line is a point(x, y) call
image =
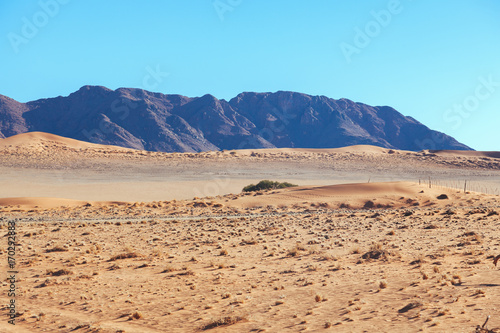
point(140, 119)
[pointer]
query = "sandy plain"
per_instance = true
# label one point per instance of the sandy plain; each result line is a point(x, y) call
point(117, 240)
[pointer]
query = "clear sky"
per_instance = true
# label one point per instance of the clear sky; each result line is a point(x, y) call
point(437, 61)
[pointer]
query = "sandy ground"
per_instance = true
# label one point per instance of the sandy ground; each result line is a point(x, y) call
point(392, 256)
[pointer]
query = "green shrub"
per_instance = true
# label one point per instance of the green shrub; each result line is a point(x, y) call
point(266, 185)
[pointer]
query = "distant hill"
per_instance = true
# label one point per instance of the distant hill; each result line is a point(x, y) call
point(140, 119)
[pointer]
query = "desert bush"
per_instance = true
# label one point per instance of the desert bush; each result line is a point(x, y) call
point(125, 255)
point(294, 251)
point(377, 251)
point(59, 272)
point(56, 248)
point(136, 315)
point(266, 185)
point(225, 321)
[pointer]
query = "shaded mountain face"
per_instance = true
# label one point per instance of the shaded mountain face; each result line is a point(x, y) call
point(140, 119)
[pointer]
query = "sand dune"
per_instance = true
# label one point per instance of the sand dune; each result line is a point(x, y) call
point(466, 153)
point(349, 149)
point(365, 195)
point(34, 139)
point(24, 203)
point(353, 196)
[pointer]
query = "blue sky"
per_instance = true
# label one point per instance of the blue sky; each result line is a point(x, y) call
point(437, 61)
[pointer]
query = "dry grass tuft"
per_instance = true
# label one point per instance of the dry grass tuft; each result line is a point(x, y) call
point(136, 315)
point(294, 251)
point(56, 248)
point(224, 321)
point(356, 250)
point(377, 252)
point(59, 272)
point(125, 255)
point(410, 306)
point(479, 292)
point(169, 269)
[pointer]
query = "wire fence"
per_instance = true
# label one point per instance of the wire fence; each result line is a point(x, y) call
point(463, 185)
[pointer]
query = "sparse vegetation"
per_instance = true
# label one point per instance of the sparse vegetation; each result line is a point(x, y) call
point(125, 255)
point(57, 248)
point(136, 315)
point(377, 251)
point(169, 269)
point(410, 306)
point(265, 185)
point(59, 272)
point(224, 321)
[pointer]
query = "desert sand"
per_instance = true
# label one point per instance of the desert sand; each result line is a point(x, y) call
point(117, 240)
point(41, 165)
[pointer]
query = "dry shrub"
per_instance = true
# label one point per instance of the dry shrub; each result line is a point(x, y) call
point(59, 272)
point(293, 252)
point(136, 315)
point(473, 261)
point(328, 257)
point(186, 272)
point(443, 312)
point(56, 248)
point(377, 252)
point(249, 242)
point(125, 255)
point(479, 292)
point(491, 213)
point(169, 269)
point(224, 321)
point(471, 236)
point(356, 250)
point(410, 306)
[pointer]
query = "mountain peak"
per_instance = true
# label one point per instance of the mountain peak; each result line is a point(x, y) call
point(93, 88)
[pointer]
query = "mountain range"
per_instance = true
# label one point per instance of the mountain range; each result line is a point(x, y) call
point(136, 118)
